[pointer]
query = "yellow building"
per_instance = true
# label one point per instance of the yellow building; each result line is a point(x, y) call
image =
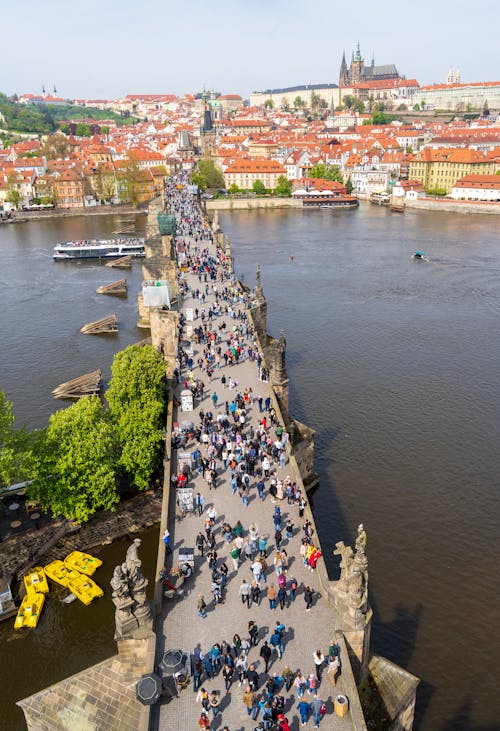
point(441, 168)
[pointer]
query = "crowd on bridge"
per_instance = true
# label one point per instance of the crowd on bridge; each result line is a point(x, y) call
point(239, 448)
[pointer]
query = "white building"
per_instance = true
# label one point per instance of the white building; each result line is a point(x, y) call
point(477, 188)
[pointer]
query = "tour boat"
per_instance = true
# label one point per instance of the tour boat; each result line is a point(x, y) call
point(99, 249)
point(57, 572)
point(30, 610)
point(35, 580)
point(83, 587)
point(82, 562)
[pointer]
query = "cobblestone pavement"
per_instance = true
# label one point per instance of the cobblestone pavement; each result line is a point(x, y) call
point(182, 626)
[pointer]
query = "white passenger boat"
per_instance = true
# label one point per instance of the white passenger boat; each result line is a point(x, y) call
point(99, 248)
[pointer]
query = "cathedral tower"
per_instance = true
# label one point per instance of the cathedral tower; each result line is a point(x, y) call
point(344, 74)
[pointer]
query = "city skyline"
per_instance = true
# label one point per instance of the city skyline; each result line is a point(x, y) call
point(178, 47)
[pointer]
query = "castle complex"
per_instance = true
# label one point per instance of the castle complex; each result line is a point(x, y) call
point(358, 72)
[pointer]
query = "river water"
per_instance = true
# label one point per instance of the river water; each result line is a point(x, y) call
point(395, 363)
point(43, 304)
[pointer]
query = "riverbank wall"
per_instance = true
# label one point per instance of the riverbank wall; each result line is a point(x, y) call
point(449, 206)
point(250, 204)
point(28, 216)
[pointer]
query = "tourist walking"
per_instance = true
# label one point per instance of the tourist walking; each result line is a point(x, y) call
point(266, 654)
point(201, 606)
point(318, 708)
point(305, 710)
point(271, 595)
point(214, 703)
point(245, 592)
point(319, 659)
point(308, 598)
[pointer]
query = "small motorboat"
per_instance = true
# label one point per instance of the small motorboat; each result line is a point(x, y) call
point(419, 256)
point(36, 581)
point(82, 562)
point(30, 609)
point(84, 588)
point(58, 572)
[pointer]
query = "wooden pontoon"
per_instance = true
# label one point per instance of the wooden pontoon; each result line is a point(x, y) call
point(118, 288)
point(124, 262)
point(107, 324)
point(86, 385)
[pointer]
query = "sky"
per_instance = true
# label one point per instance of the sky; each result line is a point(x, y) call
point(108, 48)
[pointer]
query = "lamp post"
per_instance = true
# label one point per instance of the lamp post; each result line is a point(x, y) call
point(291, 430)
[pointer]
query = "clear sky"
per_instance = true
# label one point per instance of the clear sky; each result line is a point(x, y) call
point(108, 48)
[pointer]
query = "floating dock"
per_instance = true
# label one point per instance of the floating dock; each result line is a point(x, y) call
point(107, 324)
point(87, 385)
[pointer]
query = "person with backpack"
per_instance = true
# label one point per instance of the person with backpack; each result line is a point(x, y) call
point(277, 642)
point(253, 631)
point(318, 708)
point(235, 557)
point(293, 588)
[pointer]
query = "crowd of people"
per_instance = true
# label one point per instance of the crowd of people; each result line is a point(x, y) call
point(239, 448)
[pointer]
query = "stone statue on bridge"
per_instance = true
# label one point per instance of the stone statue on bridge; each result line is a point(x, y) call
point(129, 594)
point(351, 590)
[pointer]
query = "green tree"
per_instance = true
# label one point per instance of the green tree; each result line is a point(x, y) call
point(285, 105)
point(269, 104)
point(348, 101)
point(136, 406)
point(349, 186)
point(13, 194)
point(104, 184)
point(207, 175)
point(326, 172)
point(199, 180)
point(14, 445)
point(233, 188)
point(315, 101)
point(73, 462)
point(284, 187)
point(298, 102)
point(83, 130)
point(378, 117)
point(129, 182)
point(259, 188)
point(56, 146)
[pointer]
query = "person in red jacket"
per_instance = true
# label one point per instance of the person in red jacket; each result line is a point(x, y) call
point(283, 723)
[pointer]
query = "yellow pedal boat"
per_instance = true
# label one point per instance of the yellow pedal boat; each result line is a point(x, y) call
point(57, 572)
point(35, 580)
point(30, 610)
point(83, 588)
point(82, 562)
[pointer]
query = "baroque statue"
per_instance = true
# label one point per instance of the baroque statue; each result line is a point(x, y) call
point(352, 587)
point(129, 593)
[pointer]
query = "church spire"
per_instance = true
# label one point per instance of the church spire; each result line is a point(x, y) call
point(358, 54)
